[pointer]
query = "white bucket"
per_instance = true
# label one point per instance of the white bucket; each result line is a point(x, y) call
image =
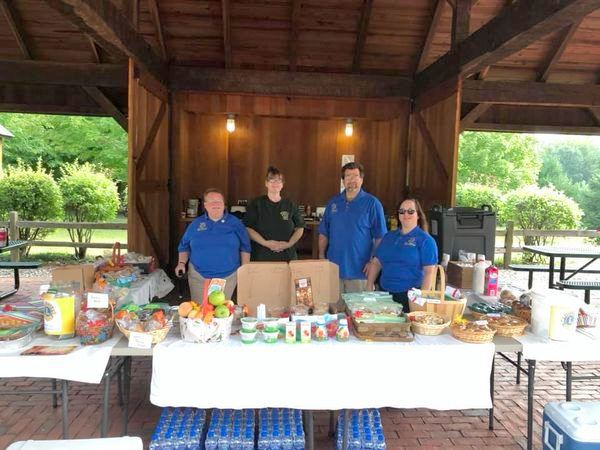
point(541, 304)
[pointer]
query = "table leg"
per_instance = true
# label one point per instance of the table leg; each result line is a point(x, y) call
point(54, 396)
point(491, 410)
point(309, 430)
point(569, 379)
point(519, 367)
point(104, 422)
point(562, 270)
point(65, 408)
point(530, 390)
point(332, 417)
point(346, 429)
point(126, 388)
point(551, 273)
point(120, 384)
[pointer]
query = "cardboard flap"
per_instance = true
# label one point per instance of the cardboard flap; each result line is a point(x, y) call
point(324, 279)
point(79, 273)
point(263, 282)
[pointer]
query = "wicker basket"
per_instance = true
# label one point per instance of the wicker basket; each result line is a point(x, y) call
point(474, 338)
point(157, 335)
point(447, 308)
point(477, 315)
point(426, 329)
point(522, 311)
point(393, 332)
point(509, 330)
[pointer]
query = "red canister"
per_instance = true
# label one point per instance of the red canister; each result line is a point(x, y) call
point(3, 237)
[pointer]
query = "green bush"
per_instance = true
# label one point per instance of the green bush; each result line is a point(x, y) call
point(33, 194)
point(475, 195)
point(89, 196)
point(535, 208)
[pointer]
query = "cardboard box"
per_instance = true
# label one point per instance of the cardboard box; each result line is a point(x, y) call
point(80, 273)
point(272, 283)
point(460, 275)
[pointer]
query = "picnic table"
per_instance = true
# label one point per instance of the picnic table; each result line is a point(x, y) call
point(16, 265)
point(562, 253)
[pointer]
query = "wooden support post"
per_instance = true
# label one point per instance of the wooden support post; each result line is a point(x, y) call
point(13, 234)
point(508, 243)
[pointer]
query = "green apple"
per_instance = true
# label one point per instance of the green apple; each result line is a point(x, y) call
point(217, 298)
point(221, 312)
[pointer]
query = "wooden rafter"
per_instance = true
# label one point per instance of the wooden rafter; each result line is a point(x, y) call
point(361, 37)
point(294, 33)
point(429, 142)
point(74, 74)
point(155, 13)
point(140, 161)
point(531, 93)
point(107, 105)
point(595, 113)
point(461, 19)
point(263, 82)
point(519, 25)
point(452, 3)
point(557, 53)
point(472, 116)
point(521, 128)
point(15, 26)
point(113, 31)
point(95, 49)
point(433, 25)
point(47, 99)
point(225, 8)
point(147, 223)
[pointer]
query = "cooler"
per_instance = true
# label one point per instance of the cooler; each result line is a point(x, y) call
point(571, 426)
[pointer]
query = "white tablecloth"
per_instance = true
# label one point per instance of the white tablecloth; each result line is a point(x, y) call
point(142, 291)
point(121, 443)
point(436, 372)
point(85, 364)
point(580, 348)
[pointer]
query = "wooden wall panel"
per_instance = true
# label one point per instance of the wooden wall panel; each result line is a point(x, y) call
point(434, 150)
point(148, 181)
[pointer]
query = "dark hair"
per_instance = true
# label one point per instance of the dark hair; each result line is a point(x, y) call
point(353, 165)
point(422, 217)
point(212, 191)
point(273, 171)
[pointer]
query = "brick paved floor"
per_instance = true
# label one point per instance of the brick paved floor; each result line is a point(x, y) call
point(32, 417)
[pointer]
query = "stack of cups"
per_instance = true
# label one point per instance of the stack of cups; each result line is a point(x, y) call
point(248, 331)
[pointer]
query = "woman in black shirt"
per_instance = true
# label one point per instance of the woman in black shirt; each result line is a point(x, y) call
point(273, 222)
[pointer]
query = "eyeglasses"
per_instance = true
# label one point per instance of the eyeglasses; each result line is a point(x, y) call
point(410, 212)
point(274, 180)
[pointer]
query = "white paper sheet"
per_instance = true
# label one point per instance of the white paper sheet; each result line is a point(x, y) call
point(436, 372)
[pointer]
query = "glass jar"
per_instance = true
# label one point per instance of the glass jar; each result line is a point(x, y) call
point(321, 331)
point(343, 333)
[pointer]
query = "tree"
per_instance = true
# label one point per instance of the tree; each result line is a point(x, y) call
point(591, 203)
point(503, 160)
point(33, 194)
point(476, 195)
point(535, 208)
point(58, 139)
point(89, 196)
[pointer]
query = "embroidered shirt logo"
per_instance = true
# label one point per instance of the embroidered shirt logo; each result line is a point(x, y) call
point(285, 215)
point(411, 242)
point(202, 226)
point(333, 208)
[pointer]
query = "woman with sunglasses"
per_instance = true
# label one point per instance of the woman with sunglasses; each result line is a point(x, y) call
point(405, 257)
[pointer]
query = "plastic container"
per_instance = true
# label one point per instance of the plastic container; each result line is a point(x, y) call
point(571, 426)
point(249, 323)
point(270, 337)
point(469, 229)
point(343, 333)
point(479, 275)
point(563, 322)
point(248, 337)
point(305, 332)
point(541, 302)
point(321, 331)
point(290, 333)
point(271, 324)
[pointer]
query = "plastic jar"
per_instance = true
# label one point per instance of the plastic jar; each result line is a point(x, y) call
point(343, 333)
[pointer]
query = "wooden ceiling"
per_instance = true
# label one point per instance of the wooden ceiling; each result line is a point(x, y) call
point(398, 41)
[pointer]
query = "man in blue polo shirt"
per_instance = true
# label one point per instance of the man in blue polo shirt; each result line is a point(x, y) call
point(351, 228)
point(215, 244)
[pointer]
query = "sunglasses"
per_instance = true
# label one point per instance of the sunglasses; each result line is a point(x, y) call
point(407, 211)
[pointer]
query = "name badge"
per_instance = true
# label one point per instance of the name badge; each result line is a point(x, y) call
point(140, 340)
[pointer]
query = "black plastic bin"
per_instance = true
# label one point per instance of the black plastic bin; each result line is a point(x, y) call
point(460, 228)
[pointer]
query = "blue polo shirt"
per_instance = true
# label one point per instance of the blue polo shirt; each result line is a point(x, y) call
point(214, 247)
point(402, 257)
point(350, 228)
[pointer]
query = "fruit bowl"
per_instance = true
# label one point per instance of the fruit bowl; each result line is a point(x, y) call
point(199, 332)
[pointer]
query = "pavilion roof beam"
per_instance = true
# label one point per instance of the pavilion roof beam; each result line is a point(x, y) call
point(557, 53)
point(113, 31)
point(263, 82)
point(461, 18)
point(155, 13)
point(70, 74)
point(95, 49)
point(226, 13)
point(15, 26)
point(519, 25)
point(433, 26)
point(294, 33)
point(361, 37)
point(531, 93)
point(107, 105)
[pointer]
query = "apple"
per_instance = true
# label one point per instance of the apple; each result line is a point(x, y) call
point(222, 312)
point(217, 298)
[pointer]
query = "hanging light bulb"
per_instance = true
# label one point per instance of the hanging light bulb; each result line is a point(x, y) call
point(349, 128)
point(231, 123)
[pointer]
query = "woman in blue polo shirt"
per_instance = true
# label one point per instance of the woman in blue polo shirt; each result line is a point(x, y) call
point(215, 244)
point(405, 257)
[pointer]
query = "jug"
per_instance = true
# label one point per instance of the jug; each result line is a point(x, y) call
point(542, 301)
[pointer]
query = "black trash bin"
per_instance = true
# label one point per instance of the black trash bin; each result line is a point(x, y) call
point(462, 228)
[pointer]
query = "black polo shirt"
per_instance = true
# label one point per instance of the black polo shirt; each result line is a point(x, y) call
point(274, 222)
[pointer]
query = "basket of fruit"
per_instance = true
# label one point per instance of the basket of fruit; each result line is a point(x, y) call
point(154, 319)
point(207, 322)
point(427, 324)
